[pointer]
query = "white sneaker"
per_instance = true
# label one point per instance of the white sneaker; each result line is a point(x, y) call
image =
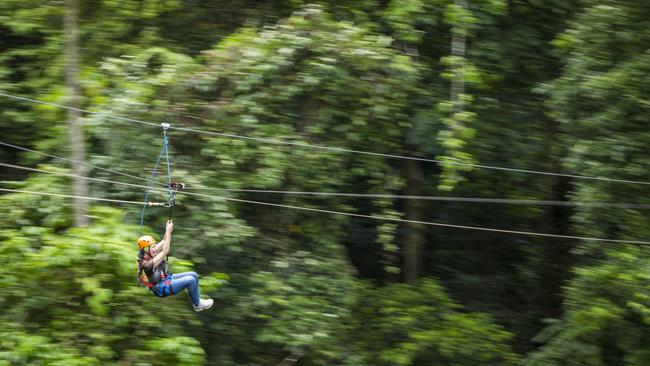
point(203, 304)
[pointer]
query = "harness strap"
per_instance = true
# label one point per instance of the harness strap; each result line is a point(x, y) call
point(143, 278)
point(163, 288)
point(168, 283)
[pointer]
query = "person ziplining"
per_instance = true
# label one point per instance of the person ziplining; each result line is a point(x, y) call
point(153, 269)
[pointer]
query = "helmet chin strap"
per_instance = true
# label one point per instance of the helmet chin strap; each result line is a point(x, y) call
point(143, 252)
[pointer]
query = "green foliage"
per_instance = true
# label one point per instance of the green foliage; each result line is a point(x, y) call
point(407, 18)
point(456, 113)
point(606, 317)
point(283, 295)
point(599, 97)
point(311, 79)
point(359, 75)
point(406, 324)
point(70, 298)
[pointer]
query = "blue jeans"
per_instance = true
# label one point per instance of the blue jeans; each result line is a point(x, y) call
point(178, 283)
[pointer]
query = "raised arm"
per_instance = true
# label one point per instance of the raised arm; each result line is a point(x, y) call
point(164, 245)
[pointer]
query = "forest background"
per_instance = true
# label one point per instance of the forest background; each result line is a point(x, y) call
point(539, 106)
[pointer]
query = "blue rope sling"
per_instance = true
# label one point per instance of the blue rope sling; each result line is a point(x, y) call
point(151, 180)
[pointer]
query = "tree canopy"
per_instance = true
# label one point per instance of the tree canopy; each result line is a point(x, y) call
point(330, 152)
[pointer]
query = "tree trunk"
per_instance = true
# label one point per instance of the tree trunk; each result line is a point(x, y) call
point(75, 133)
point(556, 253)
point(458, 50)
point(555, 258)
point(414, 238)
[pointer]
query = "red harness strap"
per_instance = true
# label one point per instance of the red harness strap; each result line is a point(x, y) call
point(143, 279)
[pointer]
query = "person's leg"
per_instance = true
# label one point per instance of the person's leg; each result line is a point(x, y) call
point(185, 274)
point(189, 282)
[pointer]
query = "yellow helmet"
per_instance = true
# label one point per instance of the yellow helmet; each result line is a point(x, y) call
point(145, 241)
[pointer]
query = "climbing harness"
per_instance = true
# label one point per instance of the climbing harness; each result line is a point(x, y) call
point(158, 280)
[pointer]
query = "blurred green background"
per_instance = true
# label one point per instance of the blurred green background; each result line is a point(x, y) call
point(539, 85)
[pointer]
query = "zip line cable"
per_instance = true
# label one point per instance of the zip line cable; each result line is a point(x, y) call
point(70, 196)
point(429, 198)
point(442, 198)
point(77, 176)
point(330, 148)
point(72, 161)
point(381, 218)
point(78, 109)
